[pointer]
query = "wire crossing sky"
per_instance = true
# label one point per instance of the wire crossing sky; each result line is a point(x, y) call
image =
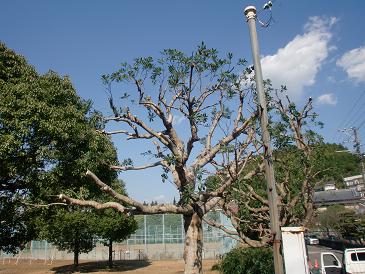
point(315, 48)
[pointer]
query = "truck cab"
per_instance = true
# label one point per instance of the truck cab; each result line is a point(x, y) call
point(296, 257)
point(354, 260)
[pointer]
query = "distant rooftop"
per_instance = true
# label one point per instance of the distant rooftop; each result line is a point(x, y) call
point(336, 196)
point(352, 178)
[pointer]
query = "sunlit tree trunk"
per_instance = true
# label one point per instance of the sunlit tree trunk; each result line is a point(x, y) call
point(193, 243)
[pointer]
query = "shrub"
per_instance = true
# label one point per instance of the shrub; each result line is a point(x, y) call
point(247, 261)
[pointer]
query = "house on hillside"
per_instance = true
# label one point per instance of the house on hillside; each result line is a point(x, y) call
point(329, 186)
point(355, 182)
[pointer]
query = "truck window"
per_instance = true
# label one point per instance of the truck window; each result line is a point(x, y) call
point(329, 259)
point(353, 257)
point(361, 256)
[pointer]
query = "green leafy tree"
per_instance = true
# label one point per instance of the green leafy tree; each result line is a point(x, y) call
point(337, 163)
point(15, 228)
point(72, 229)
point(48, 137)
point(329, 218)
point(113, 226)
point(351, 225)
point(344, 221)
point(78, 229)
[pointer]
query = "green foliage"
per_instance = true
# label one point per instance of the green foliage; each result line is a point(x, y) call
point(48, 139)
point(62, 226)
point(114, 226)
point(335, 164)
point(344, 221)
point(329, 218)
point(247, 261)
point(289, 164)
point(71, 229)
point(15, 230)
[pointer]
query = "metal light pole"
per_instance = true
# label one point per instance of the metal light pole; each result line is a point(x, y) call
point(250, 13)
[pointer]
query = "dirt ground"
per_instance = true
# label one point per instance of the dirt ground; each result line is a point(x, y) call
point(127, 267)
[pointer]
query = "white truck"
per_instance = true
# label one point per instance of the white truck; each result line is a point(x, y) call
point(296, 257)
point(354, 260)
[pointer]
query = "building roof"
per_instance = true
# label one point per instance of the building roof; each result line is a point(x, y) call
point(352, 178)
point(336, 196)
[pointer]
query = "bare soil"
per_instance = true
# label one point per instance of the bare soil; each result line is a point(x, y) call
point(128, 267)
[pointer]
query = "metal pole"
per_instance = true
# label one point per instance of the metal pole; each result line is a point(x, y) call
point(250, 13)
point(358, 152)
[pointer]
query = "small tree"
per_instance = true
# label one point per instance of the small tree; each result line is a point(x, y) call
point(72, 230)
point(113, 226)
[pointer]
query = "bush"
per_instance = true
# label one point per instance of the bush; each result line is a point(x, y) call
point(247, 261)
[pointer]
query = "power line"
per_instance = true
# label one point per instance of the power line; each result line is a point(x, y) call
point(357, 102)
point(362, 123)
point(348, 117)
point(359, 118)
point(353, 133)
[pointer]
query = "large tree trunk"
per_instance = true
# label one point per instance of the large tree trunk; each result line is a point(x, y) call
point(110, 253)
point(193, 243)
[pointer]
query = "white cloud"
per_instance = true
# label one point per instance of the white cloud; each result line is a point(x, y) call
point(177, 119)
point(297, 64)
point(353, 62)
point(327, 99)
point(159, 198)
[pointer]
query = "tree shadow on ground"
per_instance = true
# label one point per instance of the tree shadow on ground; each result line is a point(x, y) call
point(88, 267)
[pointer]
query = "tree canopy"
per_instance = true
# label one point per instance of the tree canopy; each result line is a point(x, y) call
point(113, 226)
point(49, 136)
point(343, 221)
point(71, 229)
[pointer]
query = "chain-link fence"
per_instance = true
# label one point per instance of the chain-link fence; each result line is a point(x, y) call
point(158, 237)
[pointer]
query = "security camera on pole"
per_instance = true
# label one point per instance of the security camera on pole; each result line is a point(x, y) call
point(250, 13)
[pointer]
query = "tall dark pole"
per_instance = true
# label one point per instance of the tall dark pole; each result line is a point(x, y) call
point(358, 152)
point(250, 13)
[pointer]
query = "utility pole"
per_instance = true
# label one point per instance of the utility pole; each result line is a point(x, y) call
point(353, 134)
point(357, 147)
point(250, 13)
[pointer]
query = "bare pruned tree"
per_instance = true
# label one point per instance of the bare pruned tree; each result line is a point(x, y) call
point(213, 96)
point(297, 169)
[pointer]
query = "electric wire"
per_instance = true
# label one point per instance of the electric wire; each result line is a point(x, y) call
point(352, 114)
point(359, 119)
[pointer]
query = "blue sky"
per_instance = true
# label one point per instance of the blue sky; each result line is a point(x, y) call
point(316, 48)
